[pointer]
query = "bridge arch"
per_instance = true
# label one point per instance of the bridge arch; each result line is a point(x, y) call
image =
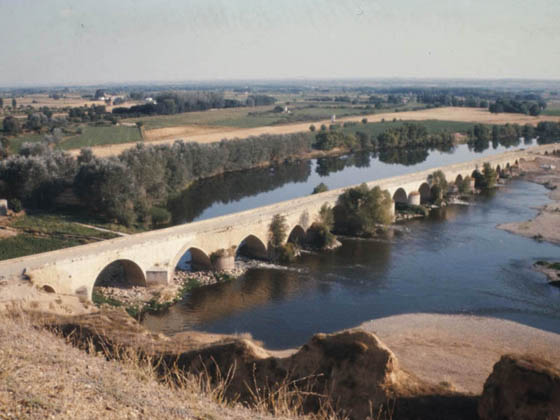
point(425, 193)
point(400, 196)
point(253, 247)
point(297, 235)
point(191, 258)
point(121, 273)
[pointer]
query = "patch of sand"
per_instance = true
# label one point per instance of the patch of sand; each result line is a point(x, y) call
point(213, 134)
point(546, 225)
point(459, 349)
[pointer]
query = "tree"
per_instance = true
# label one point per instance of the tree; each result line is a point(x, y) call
point(1, 103)
point(359, 210)
point(364, 120)
point(277, 230)
point(438, 185)
point(11, 125)
point(99, 93)
point(489, 176)
point(326, 216)
point(464, 186)
point(320, 188)
point(312, 128)
point(14, 103)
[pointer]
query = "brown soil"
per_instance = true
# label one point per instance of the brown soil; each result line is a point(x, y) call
point(207, 135)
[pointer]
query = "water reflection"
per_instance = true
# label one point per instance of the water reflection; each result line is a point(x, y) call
point(229, 187)
point(243, 190)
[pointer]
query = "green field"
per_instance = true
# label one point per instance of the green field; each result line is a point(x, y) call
point(552, 109)
point(58, 225)
point(42, 233)
point(26, 244)
point(433, 126)
point(16, 142)
point(97, 136)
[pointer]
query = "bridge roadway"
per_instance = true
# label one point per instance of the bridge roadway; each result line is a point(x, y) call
point(151, 258)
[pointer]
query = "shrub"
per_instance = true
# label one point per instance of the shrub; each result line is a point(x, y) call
point(464, 186)
point(14, 204)
point(320, 188)
point(319, 236)
point(287, 253)
point(277, 229)
point(489, 176)
point(160, 216)
point(359, 210)
point(326, 216)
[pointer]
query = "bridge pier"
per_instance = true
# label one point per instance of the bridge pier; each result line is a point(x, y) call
point(156, 276)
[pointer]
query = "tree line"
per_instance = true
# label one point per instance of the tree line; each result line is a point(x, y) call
point(125, 188)
point(168, 103)
point(481, 135)
point(527, 107)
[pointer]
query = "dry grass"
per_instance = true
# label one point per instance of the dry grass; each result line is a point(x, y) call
point(43, 376)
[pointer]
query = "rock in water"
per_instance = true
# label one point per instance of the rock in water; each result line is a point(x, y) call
point(521, 387)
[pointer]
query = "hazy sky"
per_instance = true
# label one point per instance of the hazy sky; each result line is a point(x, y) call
point(89, 41)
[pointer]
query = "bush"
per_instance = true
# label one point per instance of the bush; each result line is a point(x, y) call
point(160, 216)
point(278, 229)
point(287, 253)
point(326, 216)
point(14, 204)
point(489, 176)
point(319, 236)
point(320, 188)
point(359, 210)
point(464, 186)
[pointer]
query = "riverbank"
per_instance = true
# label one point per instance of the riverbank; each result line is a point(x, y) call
point(544, 170)
point(405, 366)
point(459, 350)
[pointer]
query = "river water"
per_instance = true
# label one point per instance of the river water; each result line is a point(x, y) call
point(455, 261)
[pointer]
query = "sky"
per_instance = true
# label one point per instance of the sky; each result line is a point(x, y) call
point(69, 42)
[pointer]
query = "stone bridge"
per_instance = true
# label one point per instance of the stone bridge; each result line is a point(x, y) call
point(151, 258)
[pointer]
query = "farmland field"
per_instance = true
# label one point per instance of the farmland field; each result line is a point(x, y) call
point(97, 136)
point(205, 135)
point(433, 126)
point(16, 142)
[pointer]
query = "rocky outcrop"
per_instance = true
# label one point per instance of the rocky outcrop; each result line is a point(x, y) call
point(521, 387)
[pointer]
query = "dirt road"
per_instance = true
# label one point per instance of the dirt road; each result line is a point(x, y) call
point(211, 134)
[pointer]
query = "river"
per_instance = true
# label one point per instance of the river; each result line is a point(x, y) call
point(455, 261)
